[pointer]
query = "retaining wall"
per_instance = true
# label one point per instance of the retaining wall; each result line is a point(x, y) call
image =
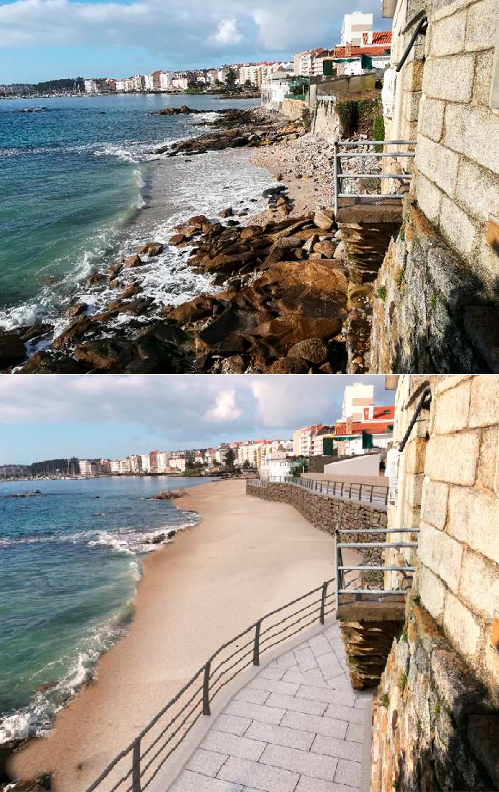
point(325, 512)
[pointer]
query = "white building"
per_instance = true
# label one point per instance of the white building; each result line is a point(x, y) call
point(274, 89)
point(120, 85)
point(276, 465)
point(179, 83)
point(87, 467)
point(135, 463)
point(355, 398)
point(145, 463)
point(148, 82)
point(165, 81)
point(177, 463)
point(354, 25)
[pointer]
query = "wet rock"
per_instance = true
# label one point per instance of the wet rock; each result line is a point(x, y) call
point(138, 306)
point(97, 279)
point(226, 212)
point(102, 354)
point(12, 350)
point(234, 365)
point(151, 249)
point(131, 291)
point(133, 261)
point(50, 280)
point(195, 309)
point(29, 332)
point(77, 328)
point(198, 221)
point(313, 350)
point(221, 335)
point(77, 309)
point(287, 366)
point(115, 269)
point(49, 363)
point(176, 239)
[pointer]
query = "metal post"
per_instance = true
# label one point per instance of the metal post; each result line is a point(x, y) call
point(386, 497)
point(342, 484)
point(256, 645)
point(350, 492)
point(206, 689)
point(360, 491)
point(323, 602)
point(372, 487)
point(136, 787)
point(321, 486)
point(335, 178)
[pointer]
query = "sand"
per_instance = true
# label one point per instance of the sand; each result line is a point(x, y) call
point(247, 557)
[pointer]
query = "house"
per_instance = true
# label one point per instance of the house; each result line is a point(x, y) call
point(276, 465)
point(274, 89)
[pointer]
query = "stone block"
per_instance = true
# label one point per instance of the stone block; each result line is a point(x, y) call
point(206, 762)
point(457, 227)
point(474, 519)
point(416, 453)
point(484, 408)
point(273, 686)
point(447, 35)
point(414, 492)
point(432, 593)
point(280, 735)
point(477, 190)
point(252, 696)
point(441, 553)
point(429, 197)
point(345, 698)
point(488, 461)
point(193, 782)
point(451, 409)
point(313, 724)
point(266, 713)
point(292, 704)
point(254, 774)
point(339, 749)
point(355, 733)
point(434, 503)
point(473, 131)
point(483, 77)
point(431, 118)
point(446, 381)
point(449, 78)
point(453, 458)
point(438, 163)
point(304, 763)
point(349, 773)
point(481, 26)
point(461, 626)
point(414, 75)
point(479, 584)
point(232, 724)
point(306, 784)
point(349, 714)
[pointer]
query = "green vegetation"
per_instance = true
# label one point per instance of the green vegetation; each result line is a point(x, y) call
point(379, 131)
point(402, 234)
point(384, 701)
point(402, 684)
point(349, 116)
point(381, 292)
point(432, 302)
point(399, 278)
point(404, 635)
point(229, 458)
point(230, 80)
point(436, 708)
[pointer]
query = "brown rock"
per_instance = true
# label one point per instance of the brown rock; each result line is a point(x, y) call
point(48, 363)
point(77, 328)
point(77, 309)
point(324, 218)
point(234, 365)
point(326, 247)
point(176, 239)
point(339, 253)
point(311, 241)
point(115, 269)
point(115, 283)
point(131, 291)
point(101, 354)
point(133, 261)
point(198, 221)
point(285, 332)
point(287, 365)
point(12, 350)
point(226, 212)
point(313, 349)
point(195, 309)
point(96, 279)
point(151, 249)
point(137, 307)
point(326, 368)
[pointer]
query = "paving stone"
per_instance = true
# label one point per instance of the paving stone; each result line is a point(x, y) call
point(319, 645)
point(272, 672)
point(306, 658)
point(195, 782)
point(340, 749)
point(329, 665)
point(312, 677)
point(338, 683)
point(206, 762)
point(303, 762)
point(287, 660)
point(273, 686)
point(347, 773)
point(294, 704)
point(355, 733)
point(233, 745)
point(344, 713)
point(344, 697)
point(316, 785)
point(256, 775)
point(232, 724)
point(265, 713)
point(280, 735)
point(252, 695)
point(315, 724)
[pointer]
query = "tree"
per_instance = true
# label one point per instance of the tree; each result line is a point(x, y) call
point(246, 464)
point(230, 80)
point(229, 458)
point(247, 84)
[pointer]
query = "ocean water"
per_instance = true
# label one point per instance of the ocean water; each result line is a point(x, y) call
point(81, 185)
point(70, 563)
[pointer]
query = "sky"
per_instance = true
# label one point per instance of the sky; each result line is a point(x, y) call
point(49, 39)
point(59, 416)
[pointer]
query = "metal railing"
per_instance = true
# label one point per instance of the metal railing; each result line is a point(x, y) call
point(372, 569)
point(138, 765)
point(368, 493)
point(339, 175)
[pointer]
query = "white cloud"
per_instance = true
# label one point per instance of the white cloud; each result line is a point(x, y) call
point(225, 408)
point(227, 33)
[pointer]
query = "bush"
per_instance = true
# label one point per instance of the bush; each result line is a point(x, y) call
point(379, 131)
point(381, 292)
point(349, 116)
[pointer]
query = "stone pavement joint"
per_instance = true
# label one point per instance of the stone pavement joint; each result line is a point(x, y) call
point(295, 727)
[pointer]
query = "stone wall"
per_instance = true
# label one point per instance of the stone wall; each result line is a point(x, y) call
point(324, 512)
point(326, 121)
point(448, 486)
point(294, 108)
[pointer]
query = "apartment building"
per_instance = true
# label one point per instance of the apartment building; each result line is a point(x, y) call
point(354, 26)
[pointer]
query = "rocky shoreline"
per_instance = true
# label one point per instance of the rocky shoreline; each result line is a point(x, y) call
point(286, 294)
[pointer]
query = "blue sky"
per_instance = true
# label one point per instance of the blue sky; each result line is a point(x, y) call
point(117, 39)
point(46, 417)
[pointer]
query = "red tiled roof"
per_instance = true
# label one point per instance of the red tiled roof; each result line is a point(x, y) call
point(380, 412)
point(356, 52)
point(379, 37)
point(358, 427)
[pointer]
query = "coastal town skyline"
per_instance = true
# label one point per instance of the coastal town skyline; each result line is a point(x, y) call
point(166, 412)
point(76, 41)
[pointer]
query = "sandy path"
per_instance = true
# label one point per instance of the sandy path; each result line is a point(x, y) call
point(247, 557)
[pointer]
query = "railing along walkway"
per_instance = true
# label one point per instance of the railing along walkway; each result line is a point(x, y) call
point(298, 725)
point(367, 493)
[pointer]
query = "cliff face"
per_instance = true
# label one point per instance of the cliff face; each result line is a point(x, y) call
point(431, 313)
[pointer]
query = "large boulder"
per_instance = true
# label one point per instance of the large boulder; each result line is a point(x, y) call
point(77, 309)
point(287, 365)
point(197, 308)
point(313, 349)
point(133, 261)
point(49, 363)
point(12, 350)
point(151, 249)
point(76, 329)
point(286, 331)
point(324, 218)
point(103, 354)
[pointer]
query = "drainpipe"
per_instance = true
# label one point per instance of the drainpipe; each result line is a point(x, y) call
point(423, 402)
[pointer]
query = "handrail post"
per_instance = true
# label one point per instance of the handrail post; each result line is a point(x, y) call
point(341, 493)
point(136, 787)
point(256, 645)
point(350, 492)
point(335, 168)
point(323, 602)
point(372, 487)
point(360, 491)
point(321, 486)
point(206, 689)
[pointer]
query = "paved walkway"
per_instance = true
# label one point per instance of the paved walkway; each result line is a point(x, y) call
point(296, 727)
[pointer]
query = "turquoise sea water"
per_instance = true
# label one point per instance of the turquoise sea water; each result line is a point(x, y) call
point(81, 183)
point(70, 563)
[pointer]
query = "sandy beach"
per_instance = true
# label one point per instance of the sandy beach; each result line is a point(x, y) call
point(246, 558)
